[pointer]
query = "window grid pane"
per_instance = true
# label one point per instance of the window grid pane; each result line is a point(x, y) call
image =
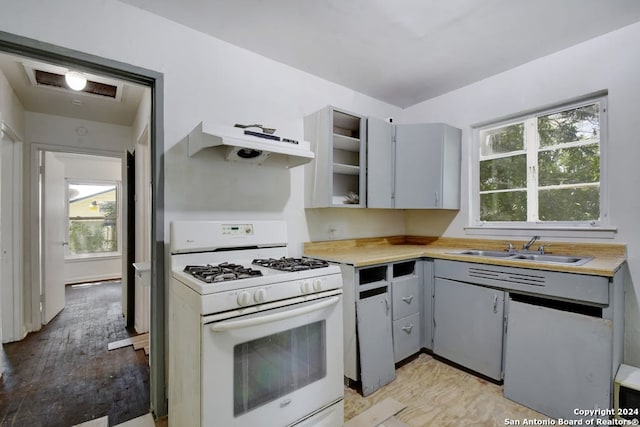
point(560, 170)
point(93, 219)
point(577, 124)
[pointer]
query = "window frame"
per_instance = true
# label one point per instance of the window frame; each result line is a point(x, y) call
point(99, 255)
point(476, 225)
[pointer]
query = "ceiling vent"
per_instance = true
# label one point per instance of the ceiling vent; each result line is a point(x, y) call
point(57, 80)
point(52, 77)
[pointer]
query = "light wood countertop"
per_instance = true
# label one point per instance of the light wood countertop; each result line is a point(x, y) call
point(607, 258)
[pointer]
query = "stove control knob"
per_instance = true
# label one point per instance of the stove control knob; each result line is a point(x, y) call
point(260, 296)
point(244, 298)
point(305, 287)
point(317, 285)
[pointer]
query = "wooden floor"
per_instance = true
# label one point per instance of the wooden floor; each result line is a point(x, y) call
point(437, 394)
point(64, 375)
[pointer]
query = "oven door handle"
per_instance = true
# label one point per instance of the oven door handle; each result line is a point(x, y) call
point(268, 318)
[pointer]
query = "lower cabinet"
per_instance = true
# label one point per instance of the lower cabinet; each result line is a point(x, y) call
point(388, 316)
point(426, 308)
point(375, 340)
point(557, 361)
point(469, 325)
point(406, 283)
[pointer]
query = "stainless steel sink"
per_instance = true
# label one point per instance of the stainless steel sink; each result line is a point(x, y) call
point(556, 259)
point(491, 254)
point(527, 256)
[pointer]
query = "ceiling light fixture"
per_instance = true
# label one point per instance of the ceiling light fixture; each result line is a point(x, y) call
point(75, 80)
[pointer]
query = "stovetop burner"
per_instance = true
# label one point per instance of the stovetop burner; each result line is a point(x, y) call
point(221, 272)
point(291, 264)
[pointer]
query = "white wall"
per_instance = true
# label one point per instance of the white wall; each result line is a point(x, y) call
point(11, 109)
point(610, 62)
point(12, 115)
point(76, 133)
point(208, 79)
point(205, 79)
point(79, 168)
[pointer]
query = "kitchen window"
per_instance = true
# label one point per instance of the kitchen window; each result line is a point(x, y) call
point(93, 219)
point(542, 169)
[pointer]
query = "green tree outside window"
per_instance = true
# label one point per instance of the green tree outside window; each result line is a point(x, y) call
point(544, 168)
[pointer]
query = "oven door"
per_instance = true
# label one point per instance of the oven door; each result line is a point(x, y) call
point(274, 367)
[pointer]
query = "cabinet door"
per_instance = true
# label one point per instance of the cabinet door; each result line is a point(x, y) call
point(380, 155)
point(557, 361)
point(468, 326)
point(426, 324)
point(418, 166)
point(375, 342)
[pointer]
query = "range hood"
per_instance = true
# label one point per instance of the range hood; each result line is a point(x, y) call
point(242, 145)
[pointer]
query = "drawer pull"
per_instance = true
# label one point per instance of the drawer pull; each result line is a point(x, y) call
point(408, 299)
point(407, 328)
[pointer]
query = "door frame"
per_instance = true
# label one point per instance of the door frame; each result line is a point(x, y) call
point(12, 310)
point(36, 221)
point(82, 61)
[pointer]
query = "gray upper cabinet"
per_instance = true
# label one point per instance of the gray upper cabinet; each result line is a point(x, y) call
point(337, 175)
point(380, 157)
point(413, 166)
point(427, 164)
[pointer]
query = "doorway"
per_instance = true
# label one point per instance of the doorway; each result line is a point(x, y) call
point(81, 205)
point(84, 62)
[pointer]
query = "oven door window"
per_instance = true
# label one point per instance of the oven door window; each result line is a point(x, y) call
point(270, 367)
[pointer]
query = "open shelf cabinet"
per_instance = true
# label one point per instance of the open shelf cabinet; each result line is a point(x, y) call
point(337, 176)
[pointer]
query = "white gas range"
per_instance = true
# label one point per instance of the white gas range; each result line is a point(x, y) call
point(255, 336)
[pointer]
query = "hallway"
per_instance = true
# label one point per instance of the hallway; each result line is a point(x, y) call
point(64, 374)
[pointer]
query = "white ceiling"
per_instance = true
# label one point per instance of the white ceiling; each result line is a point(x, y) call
point(400, 51)
point(68, 103)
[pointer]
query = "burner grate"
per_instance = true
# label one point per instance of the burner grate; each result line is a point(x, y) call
point(291, 264)
point(221, 273)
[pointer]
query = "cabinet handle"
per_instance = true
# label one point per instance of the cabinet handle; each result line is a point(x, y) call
point(408, 299)
point(407, 328)
point(436, 194)
point(386, 304)
point(495, 303)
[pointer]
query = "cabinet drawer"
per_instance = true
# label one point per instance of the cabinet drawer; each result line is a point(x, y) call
point(406, 296)
point(406, 336)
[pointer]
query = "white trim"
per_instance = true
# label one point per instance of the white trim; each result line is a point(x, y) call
point(507, 190)
point(95, 278)
point(531, 145)
point(82, 181)
point(573, 144)
point(8, 130)
point(544, 231)
point(12, 322)
point(32, 289)
point(531, 142)
point(93, 257)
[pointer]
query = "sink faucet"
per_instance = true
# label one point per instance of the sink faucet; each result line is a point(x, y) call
point(530, 242)
point(510, 247)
